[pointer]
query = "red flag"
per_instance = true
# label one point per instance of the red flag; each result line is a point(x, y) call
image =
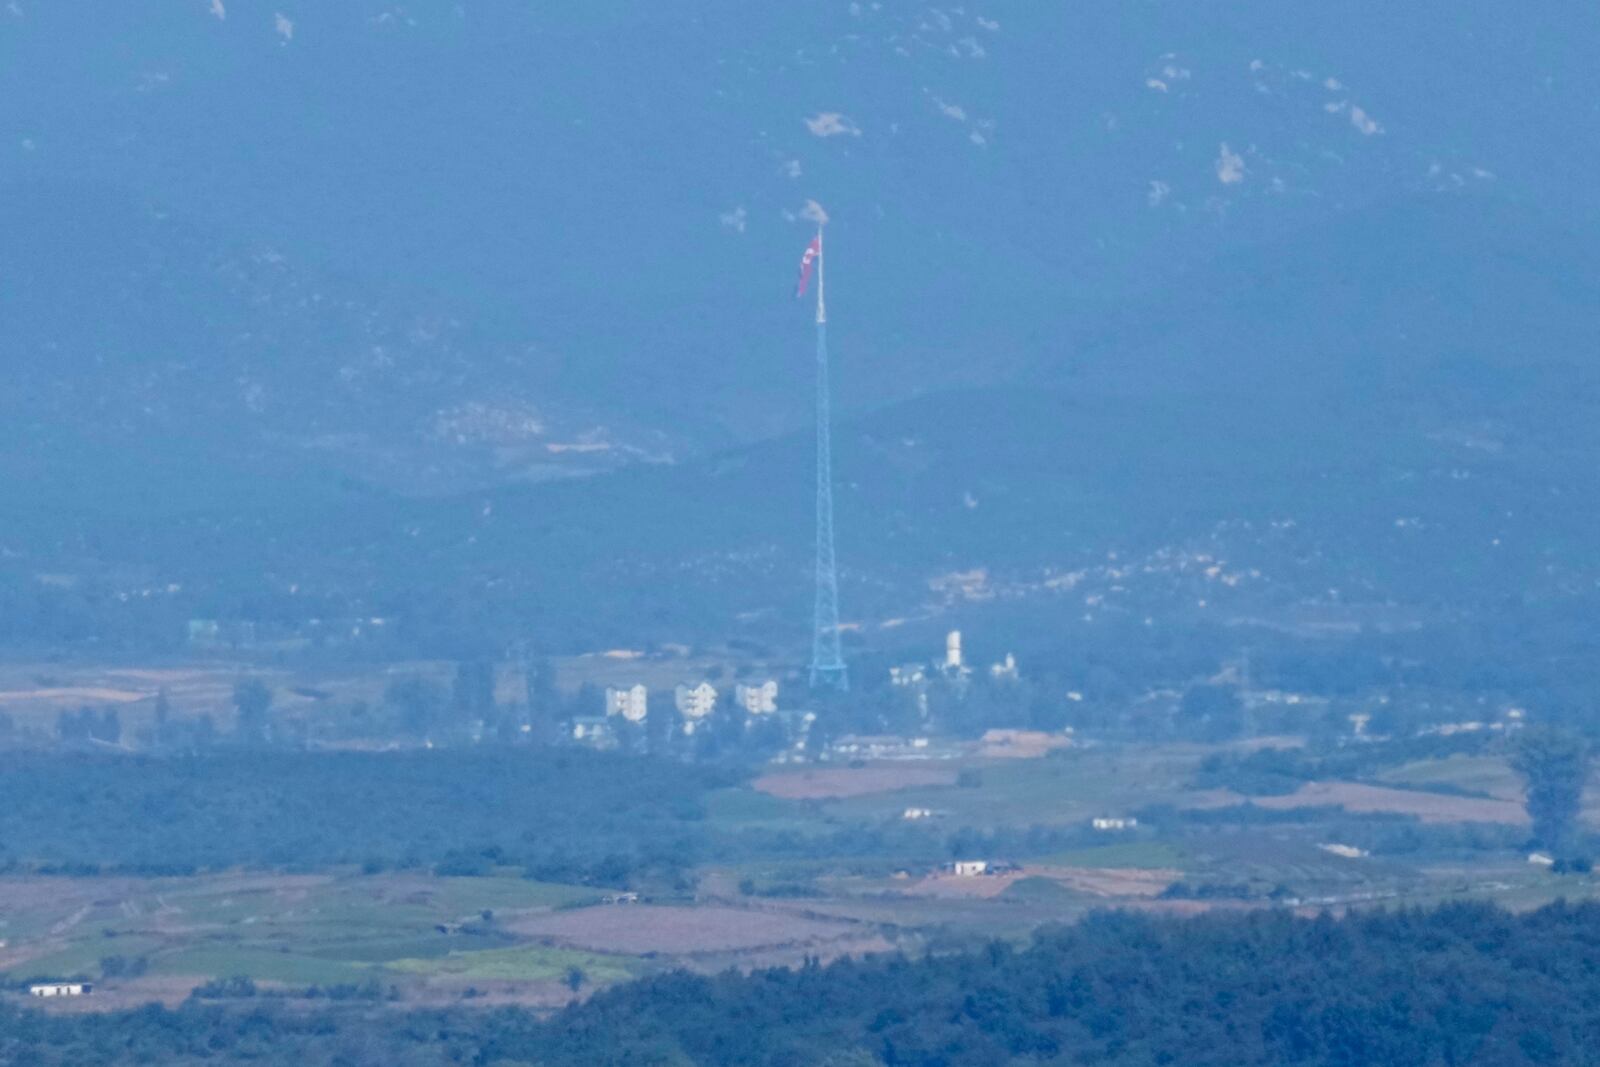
point(808, 263)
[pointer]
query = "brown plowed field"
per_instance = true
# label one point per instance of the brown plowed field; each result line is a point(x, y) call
point(1429, 807)
point(830, 783)
point(1116, 882)
point(639, 928)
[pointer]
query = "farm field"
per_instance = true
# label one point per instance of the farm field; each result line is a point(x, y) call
point(834, 783)
point(34, 694)
point(681, 931)
point(1428, 807)
point(843, 873)
point(296, 930)
point(1067, 787)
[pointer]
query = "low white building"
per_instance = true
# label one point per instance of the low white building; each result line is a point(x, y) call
point(881, 746)
point(913, 814)
point(1113, 823)
point(61, 989)
point(1349, 852)
point(969, 868)
point(907, 674)
point(591, 730)
point(632, 703)
point(757, 699)
point(797, 726)
point(1005, 670)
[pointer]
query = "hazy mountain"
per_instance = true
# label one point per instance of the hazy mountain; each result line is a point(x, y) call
point(1287, 289)
point(132, 332)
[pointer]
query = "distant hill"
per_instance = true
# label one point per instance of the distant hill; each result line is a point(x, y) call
point(136, 336)
point(1286, 439)
point(1288, 310)
point(420, 245)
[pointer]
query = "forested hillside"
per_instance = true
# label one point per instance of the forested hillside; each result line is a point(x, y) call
point(570, 815)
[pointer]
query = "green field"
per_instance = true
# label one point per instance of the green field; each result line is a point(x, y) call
point(259, 963)
point(1488, 776)
point(744, 809)
point(1069, 787)
point(1149, 855)
point(1041, 890)
point(299, 930)
point(429, 936)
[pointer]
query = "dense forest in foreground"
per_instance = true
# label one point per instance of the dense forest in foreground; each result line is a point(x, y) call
point(1463, 984)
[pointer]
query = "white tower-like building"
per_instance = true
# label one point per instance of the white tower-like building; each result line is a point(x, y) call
point(695, 703)
point(632, 703)
point(759, 699)
point(954, 667)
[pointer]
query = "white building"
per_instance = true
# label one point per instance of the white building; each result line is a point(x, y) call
point(632, 703)
point(1349, 852)
point(797, 725)
point(1108, 824)
point(1005, 670)
point(908, 674)
point(969, 868)
point(954, 667)
point(695, 703)
point(591, 730)
point(61, 989)
point(757, 699)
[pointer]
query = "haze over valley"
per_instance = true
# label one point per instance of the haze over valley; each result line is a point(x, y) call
point(415, 592)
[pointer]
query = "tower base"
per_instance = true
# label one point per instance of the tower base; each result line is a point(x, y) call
point(833, 676)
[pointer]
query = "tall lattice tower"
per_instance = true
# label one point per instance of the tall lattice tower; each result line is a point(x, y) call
point(827, 660)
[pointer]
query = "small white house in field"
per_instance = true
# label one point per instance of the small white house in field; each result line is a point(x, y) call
point(913, 814)
point(1107, 825)
point(61, 989)
point(970, 868)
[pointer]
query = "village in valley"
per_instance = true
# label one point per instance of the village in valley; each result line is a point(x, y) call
point(670, 810)
point(699, 705)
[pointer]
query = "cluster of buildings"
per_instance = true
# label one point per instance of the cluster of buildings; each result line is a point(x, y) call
point(952, 668)
point(694, 706)
point(697, 704)
point(249, 635)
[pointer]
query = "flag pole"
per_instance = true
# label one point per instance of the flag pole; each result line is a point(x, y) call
point(822, 308)
point(827, 661)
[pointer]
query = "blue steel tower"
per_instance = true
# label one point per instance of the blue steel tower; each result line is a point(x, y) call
point(827, 661)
